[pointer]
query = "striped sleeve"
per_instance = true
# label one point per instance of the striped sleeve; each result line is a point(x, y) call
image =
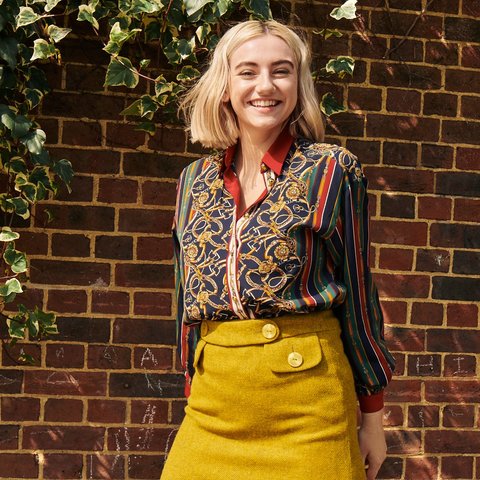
point(187, 335)
point(360, 313)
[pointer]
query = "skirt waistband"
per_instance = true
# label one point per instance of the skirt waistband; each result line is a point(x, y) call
point(231, 333)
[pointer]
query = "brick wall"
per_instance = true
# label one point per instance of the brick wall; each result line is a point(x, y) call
point(105, 397)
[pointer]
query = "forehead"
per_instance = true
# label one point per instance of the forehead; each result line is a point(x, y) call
point(262, 49)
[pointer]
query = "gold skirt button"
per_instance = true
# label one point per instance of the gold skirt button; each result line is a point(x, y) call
point(269, 331)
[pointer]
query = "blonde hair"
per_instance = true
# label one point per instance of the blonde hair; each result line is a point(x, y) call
point(213, 122)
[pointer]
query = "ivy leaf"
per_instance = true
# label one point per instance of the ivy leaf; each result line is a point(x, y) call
point(341, 65)
point(145, 6)
point(223, 6)
point(327, 33)
point(329, 105)
point(17, 260)
point(148, 127)
point(34, 140)
point(121, 72)
point(11, 286)
point(7, 116)
point(118, 37)
point(63, 168)
point(187, 74)
point(16, 329)
point(9, 50)
point(32, 323)
point(51, 4)
point(47, 321)
point(144, 63)
point(202, 32)
point(42, 49)
point(20, 126)
point(26, 16)
point(43, 158)
point(85, 14)
point(178, 50)
point(7, 235)
point(32, 97)
point(347, 10)
point(194, 6)
point(20, 206)
point(57, 33)
point(258, 8)
point(143, 107)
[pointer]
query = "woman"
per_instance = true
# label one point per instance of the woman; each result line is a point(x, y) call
point(277, 314)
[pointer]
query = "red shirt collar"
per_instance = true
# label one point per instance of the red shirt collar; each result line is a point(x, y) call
point(273, 158)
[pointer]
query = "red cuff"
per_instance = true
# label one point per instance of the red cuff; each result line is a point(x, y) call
point(188, 383)
point(371, 403)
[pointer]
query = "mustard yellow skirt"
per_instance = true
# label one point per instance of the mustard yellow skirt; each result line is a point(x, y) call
point(270, 399)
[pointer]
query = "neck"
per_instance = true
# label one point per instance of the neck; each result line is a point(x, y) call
point(252, 146)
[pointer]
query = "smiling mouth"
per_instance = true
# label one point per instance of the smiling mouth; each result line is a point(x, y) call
point(264, 103)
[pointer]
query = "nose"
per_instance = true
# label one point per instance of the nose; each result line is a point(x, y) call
point(265, 83)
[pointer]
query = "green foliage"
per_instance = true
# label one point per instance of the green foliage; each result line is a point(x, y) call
point(31, 34)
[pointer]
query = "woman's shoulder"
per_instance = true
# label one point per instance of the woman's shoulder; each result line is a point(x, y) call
point(193, 169)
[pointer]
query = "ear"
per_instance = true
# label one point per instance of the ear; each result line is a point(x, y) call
point(225, 96)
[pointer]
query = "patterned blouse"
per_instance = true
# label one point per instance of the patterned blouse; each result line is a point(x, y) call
point(302, 246)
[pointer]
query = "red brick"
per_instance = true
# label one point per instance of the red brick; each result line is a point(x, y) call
point(397, 206)
point(178, 411)
point(406, 5)
point(33, 243)
point(421, 416)
point(69, 273)
point(114, 246)
point(152, 303)
point(441, 53)
point(367, 150)
point(365, 98)
point(146, 384)
point(106, 301)
point(392, 467)
point(455, 288)
point(470, 107)
point(394, 312)
point(436, 156)
point(364, 46)
point(106, 411)
point(145, 466)
point(434, 208)
point(108, 357)
point(103, 467)
point(143, 331)
point(81, 190)
point(65, 355)
point(405, 76)
point(452, 340)
point(18, 465)
point(460, 365)
point(471, 8)
point(459, 416)
point(30, 298)
point(424, 365)
point(154, 165)
point(429, 260)
point(168, 140)
point(50, 127)
point(144, 439)
point(462, 315)
point(400, 179)
point(144, 275)
point(396, 259)
point(467, 158)
point(153, 358)
point(51, 382)
point(393, 416)
point(399, 232)
point(452, 441)
point(402, 127)
point(63, 410)
point(457, 467)
point(70, 245)
point(351, 124)
point(428, 26)
point(123, 135)
point(404, 154)
point(62, 465)
point(90, 161)
point(403, 286)
point(76, 217)
point(63, 438)
point(9, 435)
point(461, 131)
point(471, 56)
point(67, 301)
point(406, 339)
point(466, 209)
point(85, 78)
point(405, 101)
point(149, 411)
point(117, 190)
point(425, 313)
point(403, 442)
point(421, 468)
point(82, 133)
point(454, 235)
point(405, 50)
point(11, 381)
point(81, 329)
point(145, 221)
point(154, 248)
point(159, 193)
point(457, 391)
point(461, 29)
point(440, 104)
point(22, 409)
point(457, 80)
point(19, 349)
point(53, 72)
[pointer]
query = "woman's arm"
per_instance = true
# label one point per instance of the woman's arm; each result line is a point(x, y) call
point(371, 438)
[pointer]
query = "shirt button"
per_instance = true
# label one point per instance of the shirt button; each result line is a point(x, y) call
point(269, 331)
point(295, 359)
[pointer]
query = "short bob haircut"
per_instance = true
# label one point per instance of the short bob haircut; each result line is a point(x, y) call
point(213, 122)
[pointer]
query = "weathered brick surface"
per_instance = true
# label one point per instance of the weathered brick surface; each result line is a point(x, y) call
point(105, 395)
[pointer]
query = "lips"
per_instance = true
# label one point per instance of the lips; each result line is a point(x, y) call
point(264, 103)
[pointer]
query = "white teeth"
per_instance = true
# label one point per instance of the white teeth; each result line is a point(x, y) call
point(264, 103)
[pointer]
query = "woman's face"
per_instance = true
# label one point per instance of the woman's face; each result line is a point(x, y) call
point(262, 86)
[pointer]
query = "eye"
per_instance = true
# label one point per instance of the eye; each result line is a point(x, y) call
point(282, 71)
point(246, 73)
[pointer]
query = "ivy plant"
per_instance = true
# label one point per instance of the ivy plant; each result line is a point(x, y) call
point(31, 32)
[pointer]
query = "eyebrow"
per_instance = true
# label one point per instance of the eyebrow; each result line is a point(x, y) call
point(275, 64)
